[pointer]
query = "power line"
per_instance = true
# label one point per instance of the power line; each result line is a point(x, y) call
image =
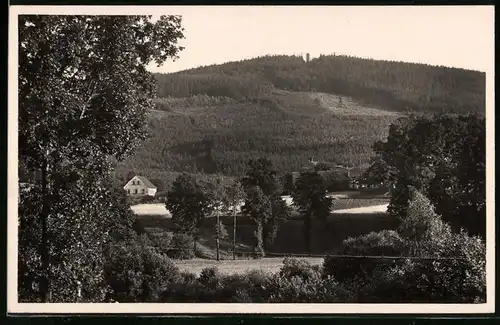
point(370, 256)
point(376, 257)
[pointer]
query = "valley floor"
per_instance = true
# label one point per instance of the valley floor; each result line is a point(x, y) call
point(348, 202)
point(354, 214)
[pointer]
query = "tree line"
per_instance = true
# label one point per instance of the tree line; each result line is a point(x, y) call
point(258, 193)
point(423, 260)
point(393, 85)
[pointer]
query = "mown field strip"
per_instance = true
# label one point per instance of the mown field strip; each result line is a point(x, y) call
point(382, 208)
point(270, 264)
point(347, 205)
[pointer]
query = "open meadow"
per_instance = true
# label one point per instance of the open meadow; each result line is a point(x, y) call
point(354, 214)
point(240, 266)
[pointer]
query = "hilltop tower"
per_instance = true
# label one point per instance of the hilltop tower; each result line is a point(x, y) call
point(308, 57)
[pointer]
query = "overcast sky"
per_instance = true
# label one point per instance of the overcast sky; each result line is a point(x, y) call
point(457, 36)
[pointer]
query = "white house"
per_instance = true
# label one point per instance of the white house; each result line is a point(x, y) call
point(140, 186)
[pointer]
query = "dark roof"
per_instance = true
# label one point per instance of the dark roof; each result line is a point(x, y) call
point(146, 182)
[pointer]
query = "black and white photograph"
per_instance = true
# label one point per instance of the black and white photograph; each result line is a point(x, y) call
point(251, 159)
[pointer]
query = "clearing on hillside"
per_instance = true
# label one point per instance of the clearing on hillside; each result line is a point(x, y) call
point(346, 106)
point(316, 103)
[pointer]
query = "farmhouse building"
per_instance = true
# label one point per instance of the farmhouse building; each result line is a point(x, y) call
point(140, 186)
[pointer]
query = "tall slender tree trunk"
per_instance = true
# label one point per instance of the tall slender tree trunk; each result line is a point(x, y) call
point(259, 249)
point(234, 233)
point(217, 236)
point(45, 290)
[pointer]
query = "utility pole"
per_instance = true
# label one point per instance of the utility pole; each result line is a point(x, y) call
point(348, 169)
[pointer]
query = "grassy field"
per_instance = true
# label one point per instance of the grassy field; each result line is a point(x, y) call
point(357, 214)
point(342, 201)
point(270, 264)
point(327, 236)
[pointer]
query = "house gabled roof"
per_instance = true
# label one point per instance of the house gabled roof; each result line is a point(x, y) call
point(144, 180)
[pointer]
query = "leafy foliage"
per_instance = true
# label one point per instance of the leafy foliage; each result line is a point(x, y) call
point(258, 208)
point(181, 247)
point(458, 276)
point(280, 213)
point(436, 156)
point(309, 197)
point(444, 266)
point(379, 173)
point(262, 174)
point(189, 204)
point(84, 93)
point(384, 243)
point(137, 273)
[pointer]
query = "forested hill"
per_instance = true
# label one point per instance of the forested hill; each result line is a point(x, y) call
point(395, 86)
point(333, 108)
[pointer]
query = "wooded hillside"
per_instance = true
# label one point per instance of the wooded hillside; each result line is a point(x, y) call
point(394, 86)
point(333, 108)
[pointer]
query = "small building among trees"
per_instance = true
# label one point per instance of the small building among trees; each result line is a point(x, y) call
point(140, 186)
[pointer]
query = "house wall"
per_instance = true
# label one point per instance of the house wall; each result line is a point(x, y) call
point(137, 188)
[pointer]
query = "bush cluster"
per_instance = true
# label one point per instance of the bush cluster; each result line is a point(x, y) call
point(181, 247)
point(423, 261)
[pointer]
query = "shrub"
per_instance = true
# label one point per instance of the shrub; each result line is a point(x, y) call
point(449, 267)
point(187, 290)
point(162, 241)
point(297, 289)
point(210, 277)
point(136, 273)
point(433, 281)
point(462, 277)
point(252, 286)
point(181, 247)
point(210, 280)
point(296, 268)
point(298, 281)
point(257, 289)
point(386, 243)
point(235, 288)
